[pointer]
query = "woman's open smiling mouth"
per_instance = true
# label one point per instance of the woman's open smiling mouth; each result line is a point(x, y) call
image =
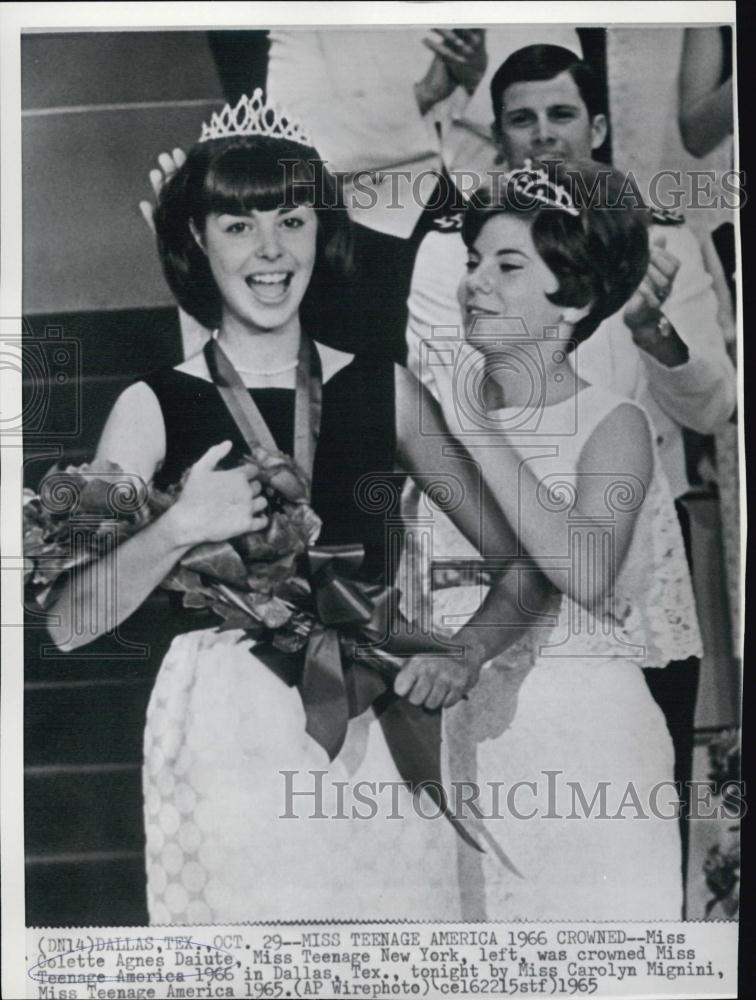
point(269, 286)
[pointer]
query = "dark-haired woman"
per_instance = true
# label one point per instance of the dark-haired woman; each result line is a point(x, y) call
point(246, 818)
point(565, 724)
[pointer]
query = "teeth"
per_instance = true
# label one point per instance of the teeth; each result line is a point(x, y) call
point(271, 278)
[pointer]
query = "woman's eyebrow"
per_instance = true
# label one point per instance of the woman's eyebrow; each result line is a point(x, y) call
point(506, 250)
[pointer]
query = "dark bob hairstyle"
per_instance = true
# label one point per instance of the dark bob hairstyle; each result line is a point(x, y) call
point(237, 175)
point(599, 256)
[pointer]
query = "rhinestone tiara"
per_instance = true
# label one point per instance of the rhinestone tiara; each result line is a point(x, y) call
point(536, 184)
point(253, 115)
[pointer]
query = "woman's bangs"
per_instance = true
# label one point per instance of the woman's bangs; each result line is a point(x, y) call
point(243, 180)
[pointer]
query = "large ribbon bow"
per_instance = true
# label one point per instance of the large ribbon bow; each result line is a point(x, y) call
point(353, 654)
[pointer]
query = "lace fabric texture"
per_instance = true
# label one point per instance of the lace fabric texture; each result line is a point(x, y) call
point(652, 616)
point(659, 590)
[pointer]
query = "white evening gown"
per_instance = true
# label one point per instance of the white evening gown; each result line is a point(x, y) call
point(575, 710)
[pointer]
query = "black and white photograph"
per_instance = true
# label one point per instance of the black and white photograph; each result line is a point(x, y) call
point(372, 517)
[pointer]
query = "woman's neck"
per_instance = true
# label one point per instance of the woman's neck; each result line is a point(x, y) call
point(260, 350)
point(549, 379)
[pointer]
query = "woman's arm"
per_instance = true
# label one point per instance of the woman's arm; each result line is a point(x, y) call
point(706, 113)
point(503, 618)
point(426, 449)
point(97, 598)
point(213, 506)
point(613, 475)
point(617, 456)
point(519, 590)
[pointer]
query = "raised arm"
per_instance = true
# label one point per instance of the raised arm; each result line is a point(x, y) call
point(213, 506)
point(706, 112)
point(689, 372)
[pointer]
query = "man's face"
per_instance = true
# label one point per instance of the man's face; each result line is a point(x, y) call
point(544, 120)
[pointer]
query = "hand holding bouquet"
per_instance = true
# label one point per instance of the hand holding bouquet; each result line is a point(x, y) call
point(248, 578)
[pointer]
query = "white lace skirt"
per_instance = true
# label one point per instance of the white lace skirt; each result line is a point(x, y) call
point(225, 737)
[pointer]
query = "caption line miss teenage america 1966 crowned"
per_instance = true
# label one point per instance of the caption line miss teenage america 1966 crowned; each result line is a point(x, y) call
point(287, 961)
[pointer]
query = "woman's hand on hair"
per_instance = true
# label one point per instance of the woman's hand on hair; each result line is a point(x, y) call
point(169, 164)
point(214, 504)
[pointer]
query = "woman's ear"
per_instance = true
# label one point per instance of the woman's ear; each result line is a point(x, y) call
point(572, 315)
point(197, 235)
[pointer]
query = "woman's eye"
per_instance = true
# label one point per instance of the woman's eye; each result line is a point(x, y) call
point(509, 267)
point(471, 264)
point(293, 222)
point(237, 227)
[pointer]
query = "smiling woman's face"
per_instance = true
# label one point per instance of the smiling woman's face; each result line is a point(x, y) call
point(506, 277)
point(262, 262)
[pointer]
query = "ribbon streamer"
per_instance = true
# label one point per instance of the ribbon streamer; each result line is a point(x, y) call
point(350, 662)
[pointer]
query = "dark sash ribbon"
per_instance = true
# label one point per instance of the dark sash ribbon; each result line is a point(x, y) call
point(351, 660)
point(308, 401)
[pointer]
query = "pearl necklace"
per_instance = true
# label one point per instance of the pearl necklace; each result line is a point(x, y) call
point(262, 372)
point(268, 372)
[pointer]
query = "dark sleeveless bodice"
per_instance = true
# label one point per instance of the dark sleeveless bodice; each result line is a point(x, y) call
point(357, 438)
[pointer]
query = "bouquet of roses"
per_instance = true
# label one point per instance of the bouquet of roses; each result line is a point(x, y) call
point(78, 515)
point(251, 582)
